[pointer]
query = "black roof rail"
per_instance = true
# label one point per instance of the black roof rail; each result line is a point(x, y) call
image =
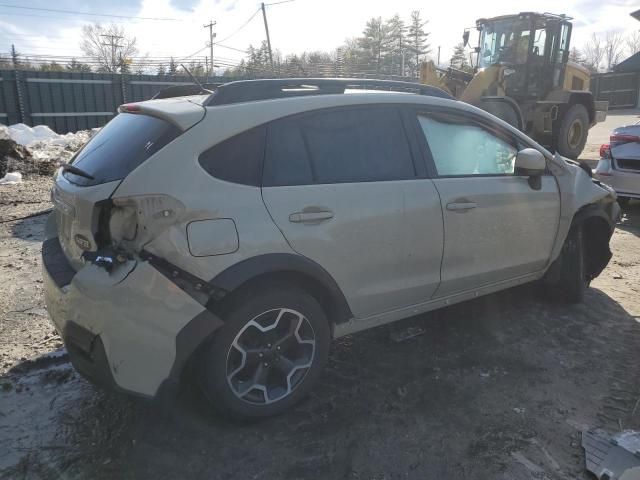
point(183, 90)
point(251, 90)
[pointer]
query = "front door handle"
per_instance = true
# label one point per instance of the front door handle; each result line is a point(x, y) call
point(310, 217)
point(461, 206)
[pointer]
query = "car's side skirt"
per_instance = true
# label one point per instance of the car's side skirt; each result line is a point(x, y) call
point(355, 325)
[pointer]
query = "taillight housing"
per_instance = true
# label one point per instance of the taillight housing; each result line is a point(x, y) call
point(129, 108)
point(622, 138)
point(605, 150)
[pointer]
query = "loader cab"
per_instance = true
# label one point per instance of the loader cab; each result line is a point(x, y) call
point(531, 48)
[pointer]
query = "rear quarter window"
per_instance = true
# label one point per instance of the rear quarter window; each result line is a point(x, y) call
point(237, 159)
point(121, 146)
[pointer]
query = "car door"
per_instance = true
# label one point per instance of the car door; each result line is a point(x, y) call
point(496, 226)
point(343, 187)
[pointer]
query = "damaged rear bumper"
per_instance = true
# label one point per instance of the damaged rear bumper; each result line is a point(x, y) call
point(131, 329)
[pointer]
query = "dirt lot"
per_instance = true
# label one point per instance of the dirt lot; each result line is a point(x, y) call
point(496, 388)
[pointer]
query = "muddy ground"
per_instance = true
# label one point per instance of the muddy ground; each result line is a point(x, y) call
point(497, 388)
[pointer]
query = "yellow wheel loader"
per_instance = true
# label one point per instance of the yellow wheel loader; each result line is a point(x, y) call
point(523, 76)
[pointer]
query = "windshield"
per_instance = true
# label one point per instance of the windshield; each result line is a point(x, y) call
point(504, 41)
point(120, 146)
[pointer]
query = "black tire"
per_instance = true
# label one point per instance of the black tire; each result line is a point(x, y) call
point(503, 111)
point(572, 135)
point(260, 302)
point(570, 282)
point(623, 202)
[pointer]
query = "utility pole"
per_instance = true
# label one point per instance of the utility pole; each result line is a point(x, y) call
point(113, 43)
point(14, 56)
point(212, 35)
point(438, 64)
point(266, 29)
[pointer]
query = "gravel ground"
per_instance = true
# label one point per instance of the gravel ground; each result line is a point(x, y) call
point(498, 388)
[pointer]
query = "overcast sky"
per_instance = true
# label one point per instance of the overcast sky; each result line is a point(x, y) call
point(295, 26)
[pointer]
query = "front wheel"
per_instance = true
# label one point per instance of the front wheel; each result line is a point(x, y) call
point(570, 280)
point(269, 353)
point(572, 135)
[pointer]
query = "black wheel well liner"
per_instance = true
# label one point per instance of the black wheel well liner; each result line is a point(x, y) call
point(597, 230)
point(293, 268)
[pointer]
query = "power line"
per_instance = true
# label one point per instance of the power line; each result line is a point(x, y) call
point(76, 12)
point(239, 28)
point(278, 3)
point(231, 48)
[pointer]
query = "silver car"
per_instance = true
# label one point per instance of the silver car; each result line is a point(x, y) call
point(619, 164)
point(227, 237)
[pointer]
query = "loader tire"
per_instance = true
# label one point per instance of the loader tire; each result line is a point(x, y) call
point(503, 111)
point(572, 135)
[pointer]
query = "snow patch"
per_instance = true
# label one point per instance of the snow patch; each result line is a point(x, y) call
point(44, 144)
point(26, 135)
point(11, 178)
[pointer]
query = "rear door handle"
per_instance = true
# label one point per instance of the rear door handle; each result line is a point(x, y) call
point(310, 217)
point(461, 206)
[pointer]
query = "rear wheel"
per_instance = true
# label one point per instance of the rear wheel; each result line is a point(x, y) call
point(573, 132)
point(269, 353)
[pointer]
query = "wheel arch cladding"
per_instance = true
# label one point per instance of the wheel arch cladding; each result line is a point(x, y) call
point(291, 268)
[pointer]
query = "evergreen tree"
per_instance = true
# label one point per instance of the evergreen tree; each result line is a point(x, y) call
point(459, 58)
point(375, 42)
point(398, 44)
point(76, 66)
point(161, 70)
point(258, 63)
point(417, 39)
point(51, 67)
point(173, 67)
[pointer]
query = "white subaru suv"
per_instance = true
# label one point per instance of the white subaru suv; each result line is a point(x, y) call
point(232, 234)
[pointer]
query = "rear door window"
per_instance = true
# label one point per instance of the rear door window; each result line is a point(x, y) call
point(366, 144)
point(121, 146)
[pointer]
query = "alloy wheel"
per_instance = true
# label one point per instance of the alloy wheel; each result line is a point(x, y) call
point(270, 356)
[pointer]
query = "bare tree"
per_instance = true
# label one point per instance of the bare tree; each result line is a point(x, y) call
point(613, 48)
point(109, 46)
point(633, 42)
point(593, 53)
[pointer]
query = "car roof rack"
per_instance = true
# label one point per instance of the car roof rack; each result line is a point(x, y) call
point(185, 90)
point(252, 90)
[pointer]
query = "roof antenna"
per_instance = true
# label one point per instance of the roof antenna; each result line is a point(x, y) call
point(195, 80)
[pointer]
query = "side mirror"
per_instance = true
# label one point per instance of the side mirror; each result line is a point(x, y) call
point(530, 163)
point(465, 38)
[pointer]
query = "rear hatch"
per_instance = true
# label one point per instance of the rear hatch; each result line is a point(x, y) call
point(81, 195)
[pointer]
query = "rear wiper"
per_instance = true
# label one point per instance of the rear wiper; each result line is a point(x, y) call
point(76, 171)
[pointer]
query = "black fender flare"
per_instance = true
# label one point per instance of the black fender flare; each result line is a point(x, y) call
point(274, 263)
point(509, 101)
